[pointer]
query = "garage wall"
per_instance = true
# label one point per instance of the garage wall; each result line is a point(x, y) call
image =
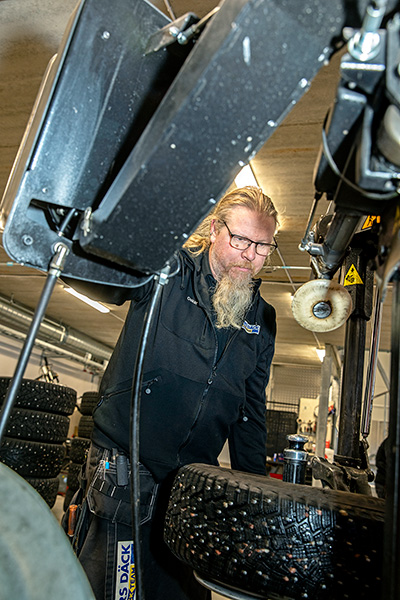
point(70, 374)
point(380, 412)
point(288, 384)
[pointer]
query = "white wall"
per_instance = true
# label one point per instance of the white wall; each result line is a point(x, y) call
point(380, 411)
point(76, 376)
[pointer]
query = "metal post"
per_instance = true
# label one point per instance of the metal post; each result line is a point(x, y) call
point(55, 269)
point(353, 363)
point(326, 372)
point(352, 389)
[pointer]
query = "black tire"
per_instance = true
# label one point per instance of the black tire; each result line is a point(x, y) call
point(89, 402)
point(32, 459)
point(37, 426)
point(85, 426)
point(39, 395)
point(78, 450)
point(74, 470)
point(47, 488)
point(267, 537)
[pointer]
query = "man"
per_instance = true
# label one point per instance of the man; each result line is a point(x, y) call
point(206, 369)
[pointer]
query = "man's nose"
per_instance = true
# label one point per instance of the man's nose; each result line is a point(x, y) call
point(250, 252)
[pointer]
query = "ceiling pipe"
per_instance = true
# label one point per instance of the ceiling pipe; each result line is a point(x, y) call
point(58, 335)
point(62, 352)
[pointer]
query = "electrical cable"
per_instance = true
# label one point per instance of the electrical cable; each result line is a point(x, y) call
point(372, 367)
point(160, 280)
point(169, 9)
point(343, 178)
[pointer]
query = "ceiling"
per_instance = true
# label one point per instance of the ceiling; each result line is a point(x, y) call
point(30, 31)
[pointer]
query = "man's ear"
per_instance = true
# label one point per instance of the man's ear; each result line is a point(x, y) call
point(213, 232)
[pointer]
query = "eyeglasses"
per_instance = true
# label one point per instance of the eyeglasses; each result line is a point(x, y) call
point(242, 243)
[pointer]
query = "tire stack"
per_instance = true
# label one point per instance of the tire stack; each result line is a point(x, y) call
point(36, 431)
point(80, 445)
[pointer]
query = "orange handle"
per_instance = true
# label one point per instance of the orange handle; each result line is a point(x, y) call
point(72, 509)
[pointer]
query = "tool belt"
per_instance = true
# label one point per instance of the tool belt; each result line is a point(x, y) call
point(105, 492)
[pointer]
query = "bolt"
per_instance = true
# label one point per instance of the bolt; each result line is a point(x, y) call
point(27, 240)
point(322, 310)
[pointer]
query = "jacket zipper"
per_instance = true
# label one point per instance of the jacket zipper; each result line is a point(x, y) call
point(145, 384)
point(205, 391)
point(110, 395)
point(211, 378)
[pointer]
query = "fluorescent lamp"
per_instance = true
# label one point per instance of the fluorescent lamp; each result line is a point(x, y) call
point(321, 353)
point(100, 307)
point(246, 177)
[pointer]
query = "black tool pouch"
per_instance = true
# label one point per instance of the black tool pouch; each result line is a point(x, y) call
point(76, 519)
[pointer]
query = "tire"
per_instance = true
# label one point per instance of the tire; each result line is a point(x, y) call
point(47, 488)
point(32, 459)
point(85, 426)
point(78, 451)
point(267, 537)
point(74, 470)
point(38, 426)
point(39, 395)
point(89, 402)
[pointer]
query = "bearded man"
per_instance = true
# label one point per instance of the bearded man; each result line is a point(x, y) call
point(206, 369)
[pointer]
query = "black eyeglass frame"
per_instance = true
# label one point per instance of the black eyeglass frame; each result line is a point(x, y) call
point(272, 247)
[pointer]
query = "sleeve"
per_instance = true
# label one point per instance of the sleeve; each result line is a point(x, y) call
point(109, 294)
point(248, 437)
point(112, 294)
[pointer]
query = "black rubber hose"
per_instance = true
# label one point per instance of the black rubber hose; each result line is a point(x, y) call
point(160, 281)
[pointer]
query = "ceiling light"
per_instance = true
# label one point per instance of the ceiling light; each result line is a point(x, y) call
point(321, 353)
point(100, 307)
point(246, 177)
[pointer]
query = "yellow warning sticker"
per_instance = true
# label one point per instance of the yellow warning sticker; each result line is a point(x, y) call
point(370, 220)
point(352, 277)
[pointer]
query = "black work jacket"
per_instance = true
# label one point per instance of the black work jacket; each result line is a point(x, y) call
point(191, 402)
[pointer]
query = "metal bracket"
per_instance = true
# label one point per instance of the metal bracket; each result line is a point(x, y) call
point(218, 588)
point(168, 35)
point(181, 30)
point(340, 477)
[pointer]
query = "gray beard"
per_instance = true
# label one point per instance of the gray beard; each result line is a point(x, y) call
point(231, 300)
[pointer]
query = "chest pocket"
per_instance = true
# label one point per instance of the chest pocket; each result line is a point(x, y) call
point(188, 321)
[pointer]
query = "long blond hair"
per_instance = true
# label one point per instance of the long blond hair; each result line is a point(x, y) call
point(251, 197)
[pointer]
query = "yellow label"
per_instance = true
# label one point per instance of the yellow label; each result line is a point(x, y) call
point(352, 277)
point(369, 221)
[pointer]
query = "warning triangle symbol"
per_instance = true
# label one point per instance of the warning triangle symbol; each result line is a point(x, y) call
point(369, 221)
point(352, 277)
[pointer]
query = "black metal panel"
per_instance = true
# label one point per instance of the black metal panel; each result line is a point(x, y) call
point(99, 96)
point(148, 174)
point(251, 65)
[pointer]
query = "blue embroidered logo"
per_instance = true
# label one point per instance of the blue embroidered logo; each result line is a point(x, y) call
point(251, 328)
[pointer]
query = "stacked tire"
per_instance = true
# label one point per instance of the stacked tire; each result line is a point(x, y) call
point(80, 444)
point(36, 431)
